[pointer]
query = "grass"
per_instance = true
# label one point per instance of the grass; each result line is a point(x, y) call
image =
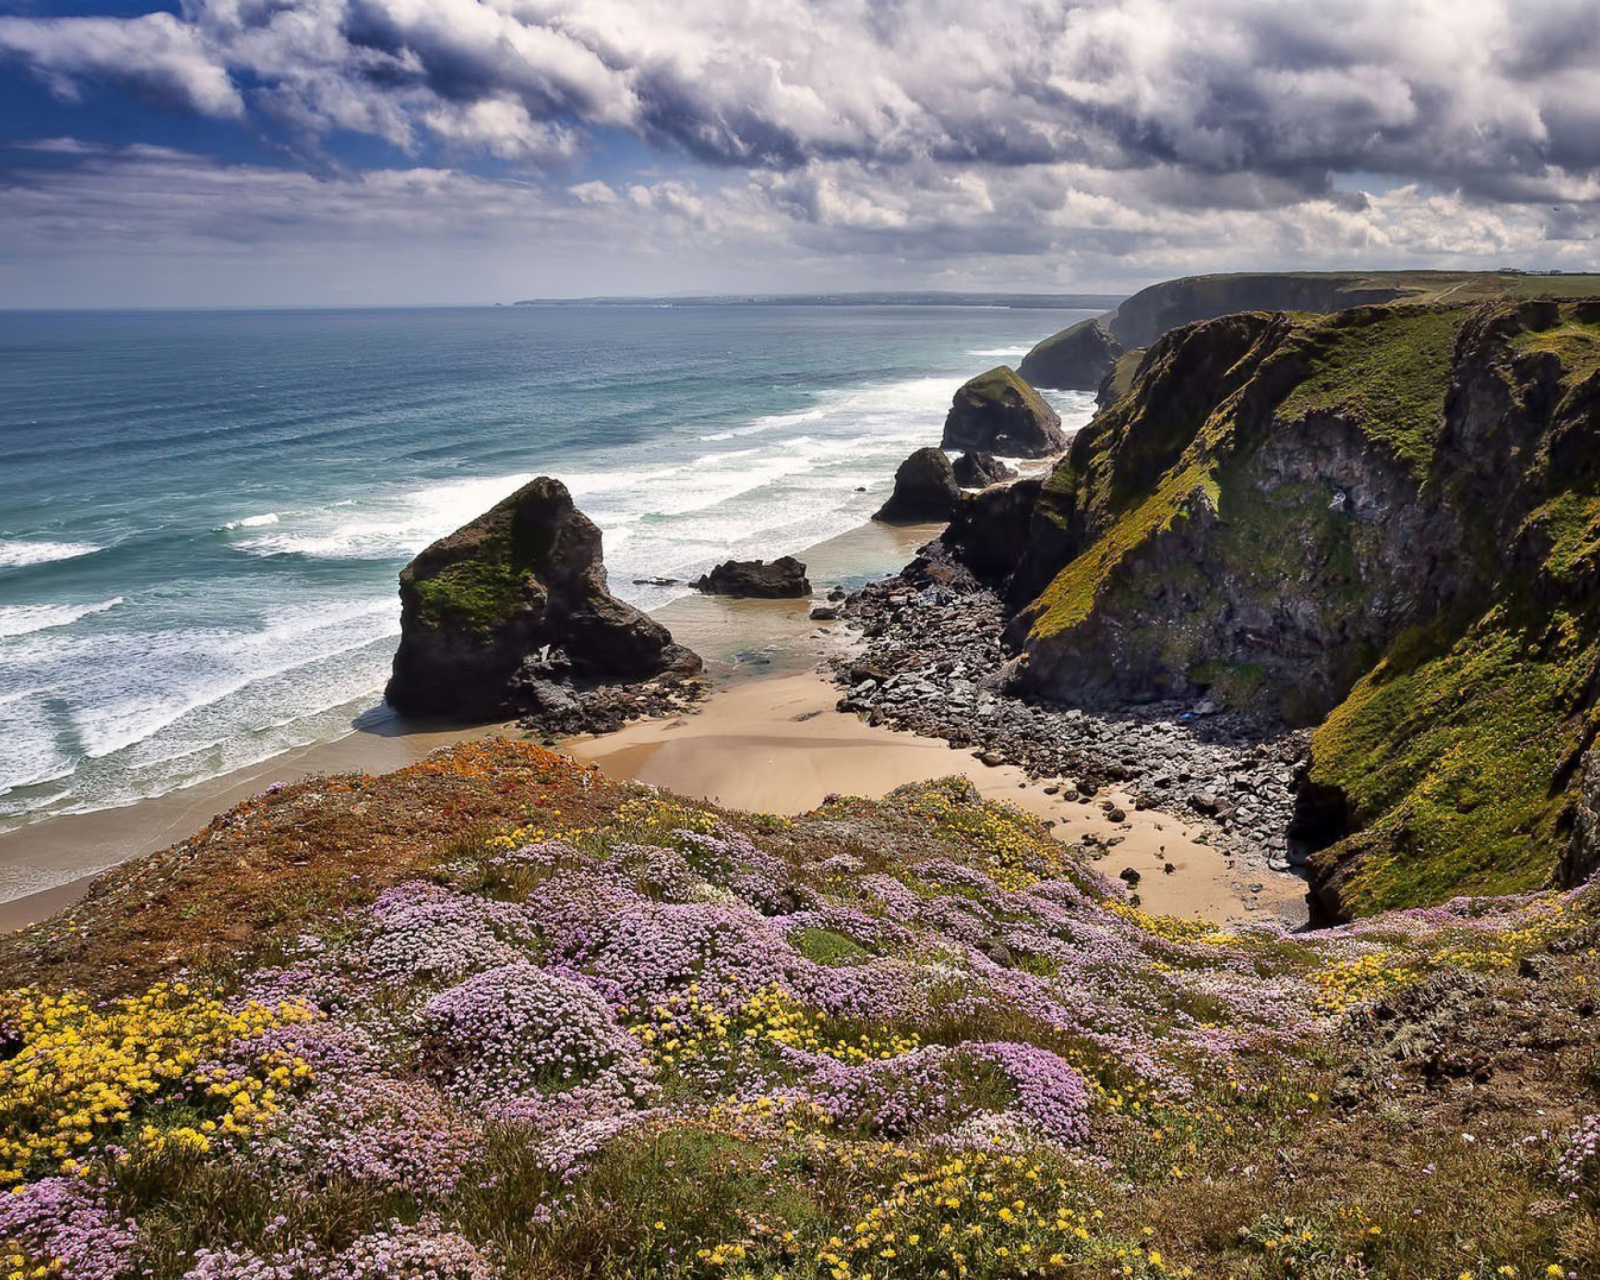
point(1448, 752)
point(1385, 369)
point(477, 594)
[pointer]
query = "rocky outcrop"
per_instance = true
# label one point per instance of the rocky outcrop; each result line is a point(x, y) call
point(784, 578)
point(1381, 522)
point(925, 489)
point(979, 470)
point(515, 596)
point(990, 530)
point(997, 412)
point(1076, 359)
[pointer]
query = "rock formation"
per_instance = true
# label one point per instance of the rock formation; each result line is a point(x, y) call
point(784, 578)
point(925, 488)
point(1081, 357)
point(979, 470)
point(1076, 359)
point(1381, 522)
point(997, 412)
point(518, 595)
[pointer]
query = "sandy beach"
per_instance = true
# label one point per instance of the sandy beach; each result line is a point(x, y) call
point(767, 738)
point(777, 745)
point(47, 864)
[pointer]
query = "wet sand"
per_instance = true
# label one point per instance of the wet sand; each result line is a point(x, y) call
point(47, 865)
point(767, 738)
point(779, 746)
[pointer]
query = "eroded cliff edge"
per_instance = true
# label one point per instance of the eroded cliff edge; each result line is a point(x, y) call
point(1383, 522)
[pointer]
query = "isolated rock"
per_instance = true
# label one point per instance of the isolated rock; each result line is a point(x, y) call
point(925, 488)
point(522, 586)
point(979, 470)
point(1076, 359)
point(997, 412)
point(783, 578)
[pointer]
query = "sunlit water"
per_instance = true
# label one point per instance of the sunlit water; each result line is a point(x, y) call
point(202, 515)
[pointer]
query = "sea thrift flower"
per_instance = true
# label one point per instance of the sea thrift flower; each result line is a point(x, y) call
point(519, 1029)
point(59, 1226)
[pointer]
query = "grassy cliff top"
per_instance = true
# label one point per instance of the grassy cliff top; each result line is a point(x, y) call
point(493, 1016)
point(1455, 749)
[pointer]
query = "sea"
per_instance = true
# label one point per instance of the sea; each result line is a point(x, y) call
point(202, 514)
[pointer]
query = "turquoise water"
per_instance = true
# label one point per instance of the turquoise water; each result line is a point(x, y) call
point(202, 514)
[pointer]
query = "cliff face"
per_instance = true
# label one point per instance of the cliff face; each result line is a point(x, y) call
point(1076, 359)
point(1385, 522)
point(1153, 311)
point(524, 582)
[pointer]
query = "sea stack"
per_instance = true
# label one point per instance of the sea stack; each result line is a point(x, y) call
point(925, 488)
point(517, 595)
point(997, 412)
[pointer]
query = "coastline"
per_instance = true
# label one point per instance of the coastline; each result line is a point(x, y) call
point(768, 737)
point(47, 865)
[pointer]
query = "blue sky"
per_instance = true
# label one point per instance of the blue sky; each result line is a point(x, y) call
point(277, 152)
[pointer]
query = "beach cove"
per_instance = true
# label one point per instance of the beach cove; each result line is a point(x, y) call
point(768, 737)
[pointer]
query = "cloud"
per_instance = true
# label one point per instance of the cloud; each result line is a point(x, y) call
point(1486, 95)
point(830, 143)
point(156, 55)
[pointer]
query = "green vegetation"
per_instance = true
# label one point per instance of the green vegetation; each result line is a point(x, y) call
point(478, 592)
point(1449, 755)
point(1386, 371)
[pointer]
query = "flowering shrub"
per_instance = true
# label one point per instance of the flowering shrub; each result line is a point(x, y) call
point(81, 1074)
point(519, 1029)
point(1579, 1161)
point(915, 1037)
point(396, 1134)
point(398, 1252)
point(59, 1226)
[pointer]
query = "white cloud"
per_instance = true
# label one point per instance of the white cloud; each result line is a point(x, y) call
point(155, 54)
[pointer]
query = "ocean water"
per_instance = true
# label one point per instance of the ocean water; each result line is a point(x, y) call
point(202, 514)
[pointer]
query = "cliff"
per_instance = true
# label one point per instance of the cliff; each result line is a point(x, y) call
point(1079, 358)
point(517, 594)
point(1385, 523)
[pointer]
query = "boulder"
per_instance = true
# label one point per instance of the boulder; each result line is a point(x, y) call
point(1076, 359)
point(997, 412)
point(925, 488)
point(978, 470)
point(519, 591)
point(783, 578)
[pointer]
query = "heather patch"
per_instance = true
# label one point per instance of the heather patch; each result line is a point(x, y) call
point(913, 1037)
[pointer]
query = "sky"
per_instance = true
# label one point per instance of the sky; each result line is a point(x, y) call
point(394, 152)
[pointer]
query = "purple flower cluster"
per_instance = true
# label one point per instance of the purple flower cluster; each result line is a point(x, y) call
point(397, 1134)
point(419, 932)
point(398, 1252)
point(1579, 1161)
point(924, 1091)
point(1052, 1098)
point(61, 1223)
point(519, 1029)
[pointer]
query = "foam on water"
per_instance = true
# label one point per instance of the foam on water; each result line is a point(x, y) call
point(246, 603)
point(17, 553)
point(24, 619)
